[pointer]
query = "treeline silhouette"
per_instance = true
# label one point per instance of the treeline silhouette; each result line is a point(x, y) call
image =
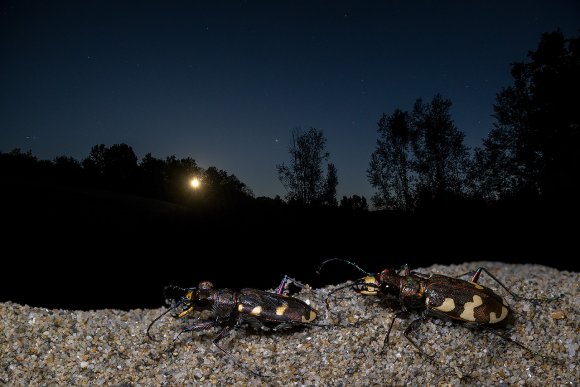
point(112, 230)
point(530, 157)
point(109, 231)
point(116, 169)
point(420, 161)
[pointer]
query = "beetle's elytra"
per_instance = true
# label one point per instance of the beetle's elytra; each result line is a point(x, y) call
point(464, 301)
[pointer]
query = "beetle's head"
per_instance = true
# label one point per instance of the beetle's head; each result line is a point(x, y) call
point(186, 301)
point(389, 283)
point(369, 285)
point(385, 283)
point(196, 298)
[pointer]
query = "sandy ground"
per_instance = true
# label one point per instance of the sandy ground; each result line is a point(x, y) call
point(66, 347)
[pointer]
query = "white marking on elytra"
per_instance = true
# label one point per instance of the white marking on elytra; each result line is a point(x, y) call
point(469, 308)
point(447, 306)
point(256, 311)
point(240, 307)
point(281, 309)
point(493, 317)
point(311, 317)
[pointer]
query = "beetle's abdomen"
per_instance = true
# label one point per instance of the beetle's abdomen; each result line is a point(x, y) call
point(465, 301)
point(274, 307)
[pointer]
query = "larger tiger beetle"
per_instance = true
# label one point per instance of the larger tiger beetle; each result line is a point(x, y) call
point(234, 309)
point(437, 295)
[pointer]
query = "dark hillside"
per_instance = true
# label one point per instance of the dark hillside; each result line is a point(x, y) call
point(87, 248)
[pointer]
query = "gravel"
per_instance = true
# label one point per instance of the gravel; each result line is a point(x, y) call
point(66, 347)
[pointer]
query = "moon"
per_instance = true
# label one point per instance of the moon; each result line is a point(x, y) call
point(195, 183)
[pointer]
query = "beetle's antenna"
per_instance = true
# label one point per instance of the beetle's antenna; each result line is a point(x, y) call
point(158, 317)
point(341, 260)
point(347, 285)
point(327, 302)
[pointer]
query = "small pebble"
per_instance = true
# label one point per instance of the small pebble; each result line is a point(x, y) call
point(558, 315)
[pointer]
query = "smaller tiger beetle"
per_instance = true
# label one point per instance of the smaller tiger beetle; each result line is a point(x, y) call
point(439, 296)
point(233, 309)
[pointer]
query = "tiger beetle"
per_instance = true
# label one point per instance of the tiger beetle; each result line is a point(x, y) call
point(437, 295)
point(244, 308)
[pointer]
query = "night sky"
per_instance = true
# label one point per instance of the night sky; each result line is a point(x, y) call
point(226, 82)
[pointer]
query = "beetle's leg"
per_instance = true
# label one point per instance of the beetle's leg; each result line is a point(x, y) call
point(386, 340)
point(199, 326)
point(477, 273)
point(222, 334)
point(414, 325)
point(225, 333)
point(280, 289)
point(283, 287)
point(533, 353)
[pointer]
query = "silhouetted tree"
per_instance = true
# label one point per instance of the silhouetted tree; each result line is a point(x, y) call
point(68, 169)
point(493, 173)
point(18, 163)
point(441, 158)
point(329, 191)
point(115, 166)
point(152, 166)
point(390, 170)
point(355, 202)
point(181, 169)
point(420, 156)
point(178, 174)
point(223, 188)
point(533, 147)
point(94, 164)
point(153, 173)
point(303, 177)
point(121, 165)
point(66, 162)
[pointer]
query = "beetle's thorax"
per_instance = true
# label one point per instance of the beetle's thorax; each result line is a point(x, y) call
point(412, 291)
point(223, 302)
